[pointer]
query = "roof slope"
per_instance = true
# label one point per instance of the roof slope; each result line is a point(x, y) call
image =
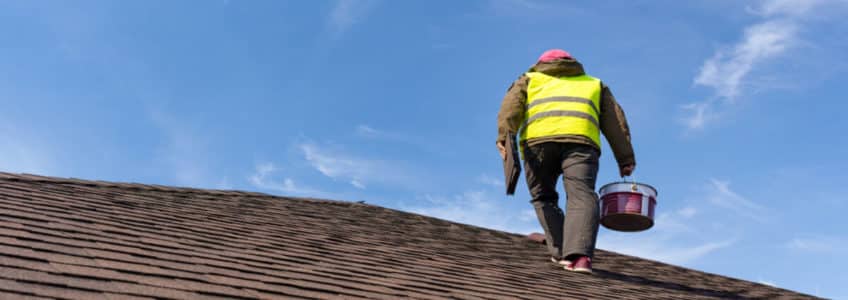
point(76, 239)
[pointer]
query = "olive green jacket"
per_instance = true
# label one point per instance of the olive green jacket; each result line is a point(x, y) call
point(612, 121)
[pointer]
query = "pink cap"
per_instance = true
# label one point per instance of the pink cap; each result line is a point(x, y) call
point(554, 54)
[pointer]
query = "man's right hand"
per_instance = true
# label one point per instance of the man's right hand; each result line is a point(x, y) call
point(501, 148)
point(626, 170)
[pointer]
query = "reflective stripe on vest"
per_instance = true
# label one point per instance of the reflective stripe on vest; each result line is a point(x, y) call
point(562, 106)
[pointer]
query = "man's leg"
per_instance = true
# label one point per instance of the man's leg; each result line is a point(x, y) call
point(580, 170)
point(541, 167)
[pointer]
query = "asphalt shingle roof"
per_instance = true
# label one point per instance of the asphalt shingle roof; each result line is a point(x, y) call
point(79, 239)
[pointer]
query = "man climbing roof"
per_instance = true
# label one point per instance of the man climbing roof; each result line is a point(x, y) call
point(559, 113)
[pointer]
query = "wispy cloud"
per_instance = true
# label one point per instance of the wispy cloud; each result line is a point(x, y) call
point(518, 4)
point(532, 8)
point(674, 222)
point(480, 208)
point(19, 153)
point(406, 139)
point(793, 8)
point(490, 180)
point(224, 184)
point(688, 212)
point(665, 242)
point(767, 282)
point(728, 71)
point(184, 152)
point(820, 244)
point(262, 179)
point(369, 132)
point(663, 251)
point(721, 195)
point(346, 13)
point(340, 166)
point(527, 215)
point(359, 172)
point(699, 114)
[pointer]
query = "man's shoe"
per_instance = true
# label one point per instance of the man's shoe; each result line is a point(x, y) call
point(561, 262)
point(582, 264)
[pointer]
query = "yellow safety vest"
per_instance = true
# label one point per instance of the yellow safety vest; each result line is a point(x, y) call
point(562, 106)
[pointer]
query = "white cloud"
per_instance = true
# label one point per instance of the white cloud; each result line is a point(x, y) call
point(661, 250)
point(490, 180)
point(721, 195)
point(357, 171)
point(184, 151)
point(477, 207)
point(788, 7)
point(526, 9)
point(712, 221)
point(675, 222)
point(357, 184)
point(528, 215)
point(821, 244)
point(727, 72)
point(224, 184)
point(412, 141)
point(262, 172)
point(339, 165)
point(19, 153)
point(688, 212)
point(700, 115)
point(676, 238)
point(767, 282)
point(521, 4)
point(373, 133)
point(368, 131)
point(346, 13)
point(262, 179)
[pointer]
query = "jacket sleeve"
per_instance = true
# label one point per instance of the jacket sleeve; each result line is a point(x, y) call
point(615, 129)
point(511, 114)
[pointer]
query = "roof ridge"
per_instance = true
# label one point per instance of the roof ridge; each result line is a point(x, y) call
point(27, 177)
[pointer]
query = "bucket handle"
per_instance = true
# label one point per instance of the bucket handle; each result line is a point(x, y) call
point(633, 182)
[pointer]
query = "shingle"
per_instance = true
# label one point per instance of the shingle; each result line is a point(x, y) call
point(143, 269)
point(53, 291)
point(21, 249)
point(293, 293)
point(75, 284)
point(18, 296)
point(13, 232)
point(78, 239)
point(26, 263)
point(32, 243)
point(152, 291)
point(113, 296)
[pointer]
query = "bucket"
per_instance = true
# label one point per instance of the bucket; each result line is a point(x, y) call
point(628, 206)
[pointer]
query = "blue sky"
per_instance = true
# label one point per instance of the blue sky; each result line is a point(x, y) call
point(735, 107)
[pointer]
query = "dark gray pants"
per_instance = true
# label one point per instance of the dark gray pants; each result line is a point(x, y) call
point(576, 232)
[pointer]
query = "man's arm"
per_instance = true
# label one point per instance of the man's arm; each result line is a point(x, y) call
point(511, 114)
point(615, 129)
